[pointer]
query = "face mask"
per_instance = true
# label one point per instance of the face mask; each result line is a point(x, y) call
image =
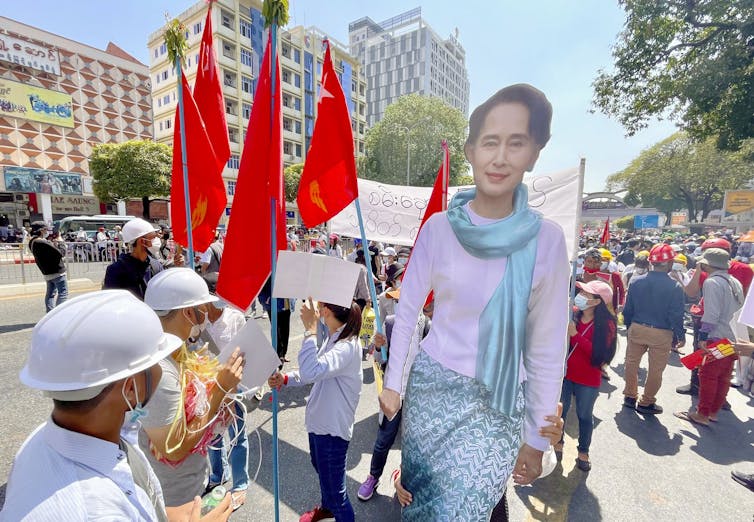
point(604, 265)
point(197, 329)
point(641, 271)
point(581, 302)
point(678, 267)
point(138, 411)
point(402, 261)
point(154, 247)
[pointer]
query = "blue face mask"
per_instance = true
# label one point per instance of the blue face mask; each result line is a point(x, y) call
point(581, 302)
point(138, 411)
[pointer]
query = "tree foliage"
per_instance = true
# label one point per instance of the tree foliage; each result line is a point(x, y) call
point(680, 173)
point(134, 169)
point(466, 179)
point(625, 223)
point(275, 11)
point(692, 60)
point(291, 178)
point(417, 123)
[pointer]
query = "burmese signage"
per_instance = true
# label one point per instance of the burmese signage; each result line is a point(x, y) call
point(27, 102)
point(21, 52)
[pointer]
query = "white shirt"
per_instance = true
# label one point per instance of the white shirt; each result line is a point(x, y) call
point(226, 327)
point(60, 475)
point(463, 285)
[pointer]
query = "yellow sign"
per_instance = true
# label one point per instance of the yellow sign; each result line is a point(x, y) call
point(27, 102)
point(738, 202)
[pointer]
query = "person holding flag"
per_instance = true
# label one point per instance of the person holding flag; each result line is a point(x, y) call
point(500, 276)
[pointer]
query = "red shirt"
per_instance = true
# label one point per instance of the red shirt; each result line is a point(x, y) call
point(579, 367)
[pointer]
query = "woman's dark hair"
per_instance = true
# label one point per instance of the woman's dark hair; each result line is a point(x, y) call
point(360, 259)
point(540, 111)
point(351, 317)
point(604, 338)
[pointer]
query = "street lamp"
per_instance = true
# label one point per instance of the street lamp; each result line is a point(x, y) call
point(408, 130)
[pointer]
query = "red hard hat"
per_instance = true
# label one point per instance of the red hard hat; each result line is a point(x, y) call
point(717, 242)
point(661, 253)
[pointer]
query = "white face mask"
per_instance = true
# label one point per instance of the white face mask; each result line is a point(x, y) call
point(640, 271)
point(604, 265)
point(402, 261)
point(678, 267)
point(197, 329)
point(154, 248)
point(581, 302)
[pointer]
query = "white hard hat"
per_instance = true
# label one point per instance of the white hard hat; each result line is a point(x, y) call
point(389, 251)
point(88, 342)
point(177, 288)
point(136, 228)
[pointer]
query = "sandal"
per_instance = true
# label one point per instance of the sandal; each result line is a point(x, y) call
point(237, 498)
point(583, 465)
point(691, 417)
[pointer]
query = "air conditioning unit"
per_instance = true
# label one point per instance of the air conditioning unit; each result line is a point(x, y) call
point(22, 213)
point(22, 197)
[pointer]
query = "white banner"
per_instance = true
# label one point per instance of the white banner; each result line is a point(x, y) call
point(23, 52)
point(392, 213)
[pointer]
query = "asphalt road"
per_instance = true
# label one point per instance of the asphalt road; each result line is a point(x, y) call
point(644, 468)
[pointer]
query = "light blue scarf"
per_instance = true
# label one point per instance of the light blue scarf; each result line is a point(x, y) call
point(502, 325)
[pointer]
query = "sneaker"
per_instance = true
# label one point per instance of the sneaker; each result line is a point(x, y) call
point(366, 491)
point(744, 479)
point(651, 409)
point(316, 515)
point(687, 390)
point(629, 402)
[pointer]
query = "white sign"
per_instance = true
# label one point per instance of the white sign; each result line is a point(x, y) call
point(747, 312)
point(261, 360)
point(324, 278)
point(392, 213)
point(75, 205)
point(24, 53)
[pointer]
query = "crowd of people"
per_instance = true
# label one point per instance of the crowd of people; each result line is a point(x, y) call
point(482, 350)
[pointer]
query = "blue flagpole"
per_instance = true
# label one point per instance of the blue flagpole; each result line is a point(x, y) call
point(184, 162)
point(370, 275)
point(274, 301)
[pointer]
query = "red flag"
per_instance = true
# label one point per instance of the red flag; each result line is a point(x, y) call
point(206, 188)
point(208, 94)
point(605, 233)
point(438, 200)
point(328, 182)
point(248, 244)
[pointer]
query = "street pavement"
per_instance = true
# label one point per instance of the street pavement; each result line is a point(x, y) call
point(644, 468)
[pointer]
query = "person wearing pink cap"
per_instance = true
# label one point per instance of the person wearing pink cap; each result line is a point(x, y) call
point(592, 344)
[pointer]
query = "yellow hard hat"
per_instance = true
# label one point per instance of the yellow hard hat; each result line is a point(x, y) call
point(680, 258)
point(643, 253)
point(606, 254)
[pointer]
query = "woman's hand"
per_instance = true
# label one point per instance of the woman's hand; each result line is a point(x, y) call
point(277, 380)
point(390, 403)
point(379, 340)
point(528, 465)
point(554, 431)
point(309, 315)
point(231, 372)
point(404, 496)
point(572, 329)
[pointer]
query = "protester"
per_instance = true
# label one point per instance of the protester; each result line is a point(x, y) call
point(592, 344)
point(133, 270)
point(638, 270)
point(211, 258)
point(335, 370)
point(501, 293)
point(597, 267)
point(628, 255)
point(654, 318)
point(390, 263)
point(678, 271)
point(50, 259)
point(285, 308)
point(77, 465)
point(361, 294)
point(723, 297)
point(334, 249)
point(386, 301)
point(190, 407)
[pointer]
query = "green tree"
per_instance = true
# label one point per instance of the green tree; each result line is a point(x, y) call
point(692, 60)
point(680, 173)
point(134, 169)
point(291, 178)
point(415, 125)
point(625, 223)
point(466, 179)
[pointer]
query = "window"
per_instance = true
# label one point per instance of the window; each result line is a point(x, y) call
point(229, 50)
point(245, 28)
point(229, 78)
point(297, 103)
point(297, 56)
point(233, 134)
point(298, 127)
point(233, 163)
point(298, 150)
point(159, 103)
point(165, 74)
point(157, 79)
point(287, 147)
point(246, 110)
point(160, 126)
point(163, 49)
point(168, 124)
point(246, 85)
point(188, 62)
point(246, 57)
point(297, 80)
point(156, 52)
point(226, 19)
point(166, 99)
point(198, 28)
point(232, 184)
point(286, 76)
point(287, 124)
point(287, 100)
point(230, 107)
point(286, 50)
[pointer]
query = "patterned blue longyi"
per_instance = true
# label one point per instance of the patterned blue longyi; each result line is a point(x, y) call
point(458, 453)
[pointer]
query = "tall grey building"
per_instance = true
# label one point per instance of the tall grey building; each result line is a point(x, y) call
point(404, 55)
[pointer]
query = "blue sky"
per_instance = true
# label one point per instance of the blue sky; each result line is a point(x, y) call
point(555, 45)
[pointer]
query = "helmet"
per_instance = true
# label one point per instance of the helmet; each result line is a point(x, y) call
point(606, 254)
point(136, 228)
point(177, 288)
point(92, 340)
point(643, 253)
point(716, 242)
point(661, 253)
point(680, 258)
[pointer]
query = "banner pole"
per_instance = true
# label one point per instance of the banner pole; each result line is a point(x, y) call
point(184, 163)
point(574, 261)
point(370, 275)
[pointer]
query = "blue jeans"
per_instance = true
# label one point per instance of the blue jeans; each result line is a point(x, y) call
point(239, 456)
point(58, 285)
point(328, 455)
point(385, 438)
point(585, 398)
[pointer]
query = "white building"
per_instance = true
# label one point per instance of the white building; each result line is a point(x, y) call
point(404, 55)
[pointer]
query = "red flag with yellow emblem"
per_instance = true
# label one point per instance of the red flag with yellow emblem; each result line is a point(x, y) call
point(328, 182)
point(205, 181)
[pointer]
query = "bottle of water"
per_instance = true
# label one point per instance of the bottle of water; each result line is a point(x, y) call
point(212, 499)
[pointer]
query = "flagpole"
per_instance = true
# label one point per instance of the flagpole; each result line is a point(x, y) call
point(445, 172)
point(574, 261)
point(273, 300)
point(370, 274)
point(184, 163)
